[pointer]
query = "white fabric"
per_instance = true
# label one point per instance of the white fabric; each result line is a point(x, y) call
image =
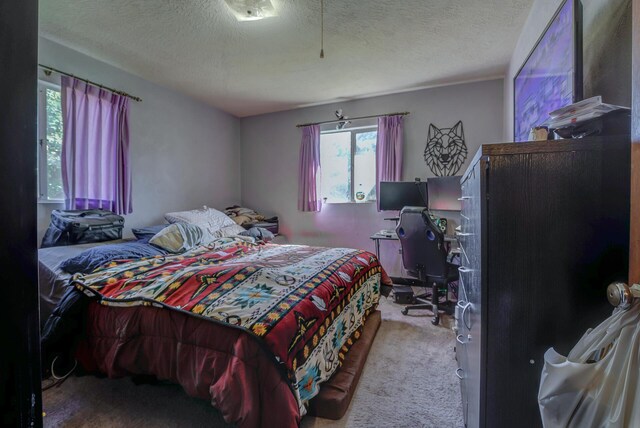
point(208, 219)
point(604, 393)
point(229, 231)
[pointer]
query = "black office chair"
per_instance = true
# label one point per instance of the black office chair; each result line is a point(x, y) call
point(424, 256)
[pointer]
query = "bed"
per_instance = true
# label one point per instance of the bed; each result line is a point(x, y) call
point(253, 328)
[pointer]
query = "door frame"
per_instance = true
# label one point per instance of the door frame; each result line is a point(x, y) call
point(20, 383)
point(634, 235)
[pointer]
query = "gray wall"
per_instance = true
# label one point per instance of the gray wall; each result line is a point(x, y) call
point(606, 51)
point(270, 149)
point(184, 154)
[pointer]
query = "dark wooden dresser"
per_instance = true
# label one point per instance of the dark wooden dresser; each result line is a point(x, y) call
point(544, 230)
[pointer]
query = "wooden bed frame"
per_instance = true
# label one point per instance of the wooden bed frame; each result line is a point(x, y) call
point(335, 394)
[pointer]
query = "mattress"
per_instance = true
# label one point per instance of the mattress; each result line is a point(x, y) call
point(51, 279)
point(253, 328)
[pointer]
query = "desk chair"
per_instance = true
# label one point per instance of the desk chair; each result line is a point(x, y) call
point(424, 256)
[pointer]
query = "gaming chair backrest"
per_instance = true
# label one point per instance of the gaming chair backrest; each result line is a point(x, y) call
point(423, 250)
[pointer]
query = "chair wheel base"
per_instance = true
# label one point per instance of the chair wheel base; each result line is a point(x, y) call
point(405, 311)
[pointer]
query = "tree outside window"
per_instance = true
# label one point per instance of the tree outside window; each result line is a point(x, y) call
point(348, 165)
point(50, 144)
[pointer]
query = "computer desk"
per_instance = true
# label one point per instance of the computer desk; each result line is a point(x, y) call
point(377, 237)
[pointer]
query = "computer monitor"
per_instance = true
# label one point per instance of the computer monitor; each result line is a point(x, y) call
point(444, 193)
point(395, 195)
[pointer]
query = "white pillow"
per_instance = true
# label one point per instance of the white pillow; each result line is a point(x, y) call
point(208, 219)
point(231, 230)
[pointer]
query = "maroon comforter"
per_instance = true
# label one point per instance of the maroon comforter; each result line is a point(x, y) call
point(210, 361)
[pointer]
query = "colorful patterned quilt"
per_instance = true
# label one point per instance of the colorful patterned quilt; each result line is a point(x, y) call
point(305, 304)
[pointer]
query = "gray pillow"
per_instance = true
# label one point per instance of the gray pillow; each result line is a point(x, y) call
point(259, 233)
point(178, 237)
point(147, 232)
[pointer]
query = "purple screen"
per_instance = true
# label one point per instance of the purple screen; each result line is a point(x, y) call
point(545, 82)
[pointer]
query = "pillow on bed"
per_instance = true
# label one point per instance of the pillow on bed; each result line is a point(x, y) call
point(91, 259)
point(209, 220)
point(231, 230)
point(148, 232)
point(178, 237)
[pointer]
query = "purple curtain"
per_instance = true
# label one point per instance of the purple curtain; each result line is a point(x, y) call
point(309, 170)
point(388, 151)
point(95, 148)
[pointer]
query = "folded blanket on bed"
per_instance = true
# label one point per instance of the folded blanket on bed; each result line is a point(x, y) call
point(245, 216)
point(304, 304)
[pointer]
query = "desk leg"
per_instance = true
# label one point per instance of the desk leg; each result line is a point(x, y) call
point(377, 241)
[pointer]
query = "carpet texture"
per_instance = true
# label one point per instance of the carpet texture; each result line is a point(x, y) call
point(408, 381)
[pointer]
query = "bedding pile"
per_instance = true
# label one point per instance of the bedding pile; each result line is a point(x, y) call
point(246, 216)
point(57, 263)
point(214, 224)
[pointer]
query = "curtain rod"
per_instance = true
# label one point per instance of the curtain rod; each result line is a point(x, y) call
point(347, 119)
point(48, 71)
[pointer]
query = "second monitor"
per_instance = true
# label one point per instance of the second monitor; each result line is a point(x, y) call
point(444, 193)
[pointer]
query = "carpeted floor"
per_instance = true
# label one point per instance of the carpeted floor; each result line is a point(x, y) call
point(409, 381)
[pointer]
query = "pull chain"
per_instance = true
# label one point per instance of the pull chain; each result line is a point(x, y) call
point(321, 28)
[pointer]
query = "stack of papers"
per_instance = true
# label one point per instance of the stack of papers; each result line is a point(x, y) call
point(580, 112)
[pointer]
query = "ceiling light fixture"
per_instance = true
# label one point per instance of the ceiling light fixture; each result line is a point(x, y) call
point(251, 10)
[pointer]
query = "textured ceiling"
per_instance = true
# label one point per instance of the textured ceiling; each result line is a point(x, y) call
point(247, 68)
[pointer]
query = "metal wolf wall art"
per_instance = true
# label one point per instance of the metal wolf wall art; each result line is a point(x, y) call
point(446, 150)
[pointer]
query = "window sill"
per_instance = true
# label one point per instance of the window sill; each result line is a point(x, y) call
point(348, 203)
point(51, 201)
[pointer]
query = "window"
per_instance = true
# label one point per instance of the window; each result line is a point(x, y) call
point(348, 165)
point(49, 143)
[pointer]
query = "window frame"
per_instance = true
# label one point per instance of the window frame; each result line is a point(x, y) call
point(354, 131)
point(42, 173)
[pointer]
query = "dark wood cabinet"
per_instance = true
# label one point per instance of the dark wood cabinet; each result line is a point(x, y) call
point(544, 230)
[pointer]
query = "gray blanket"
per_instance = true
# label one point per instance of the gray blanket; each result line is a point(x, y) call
point(52, 280)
